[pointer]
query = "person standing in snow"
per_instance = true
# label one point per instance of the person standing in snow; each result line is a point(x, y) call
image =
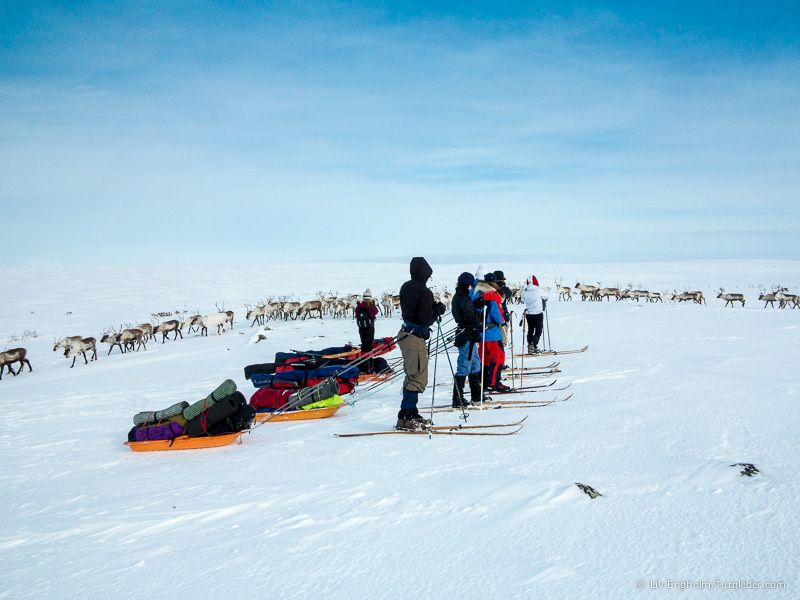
point(366, 312)
point(419, 312)
point(535, 300)
point(469, 323)
point(492, 353)
point(507, 293)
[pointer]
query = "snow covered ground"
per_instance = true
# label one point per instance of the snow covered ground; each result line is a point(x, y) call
point(667, 397)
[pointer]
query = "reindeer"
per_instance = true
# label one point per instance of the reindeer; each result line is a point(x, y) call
point(192, 322)
point(766, 298)
point(447, 299)
point(785, 299)
point(386, 304)
point(218, 319)
point(669, 296)
point(351, 302)
point(147, 329)
point(699, 298)
point(654, 297)
point(730, 298)
point(258, 314)
point(605, 293)
point(309, 307)
point(127, 339)
point(586, 291)
point(228, 316)
point(564, 293)
point(167, 326)
point(290, 310)
point(65, 342)
point(80, 347)
point(696, 297)
point(9, 357)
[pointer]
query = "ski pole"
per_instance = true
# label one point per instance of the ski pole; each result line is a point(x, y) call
point(435, 365)
point(524, 349)
point(511, 338)
point(483, 354)
point(547, 322)
point(460, 393)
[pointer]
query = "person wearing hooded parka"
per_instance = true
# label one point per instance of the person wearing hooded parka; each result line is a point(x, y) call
point(419, 312)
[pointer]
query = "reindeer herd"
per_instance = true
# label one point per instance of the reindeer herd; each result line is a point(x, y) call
point(132, 338)
point(598, 293)
point(332, 305)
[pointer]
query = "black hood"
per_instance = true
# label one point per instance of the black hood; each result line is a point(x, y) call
point(420, 269)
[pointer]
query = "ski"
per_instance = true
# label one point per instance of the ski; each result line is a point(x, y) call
point(554, 352)
point(553, 365)
point(496, 406)
point(460, 426)
point(529, 388)
point(533, 375)
point(489, 402)
point(449, 431)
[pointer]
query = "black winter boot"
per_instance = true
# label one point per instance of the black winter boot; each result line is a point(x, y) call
point(458, 392)
point(475, 388)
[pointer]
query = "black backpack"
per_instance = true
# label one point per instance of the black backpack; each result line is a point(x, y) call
point(362, 318)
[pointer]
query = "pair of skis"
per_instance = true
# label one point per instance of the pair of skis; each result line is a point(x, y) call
point(445, 430)
point(502, 404)
point(554, 352)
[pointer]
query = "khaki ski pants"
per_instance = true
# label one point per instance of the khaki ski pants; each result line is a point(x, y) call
point(415, 361)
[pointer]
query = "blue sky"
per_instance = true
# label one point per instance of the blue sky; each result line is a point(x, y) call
point(143, 133)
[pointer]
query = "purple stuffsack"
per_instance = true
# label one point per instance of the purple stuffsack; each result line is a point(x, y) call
point(159, 432)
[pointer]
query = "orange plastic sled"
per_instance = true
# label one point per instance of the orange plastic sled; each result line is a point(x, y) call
point(184, 442)
point(300, 415)
point(374, 377)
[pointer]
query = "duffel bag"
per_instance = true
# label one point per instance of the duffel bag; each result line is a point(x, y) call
point(264, 368)
point(221, 410)
point(158, 432)
point(270, 398)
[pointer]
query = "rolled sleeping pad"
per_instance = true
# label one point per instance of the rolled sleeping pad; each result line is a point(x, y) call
point(327, 389)
point(148, 417)
point(225, 389)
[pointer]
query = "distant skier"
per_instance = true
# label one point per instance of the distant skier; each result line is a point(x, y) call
point(535, 300)
point(366, 311)
point(419, 312)
point(469, 322)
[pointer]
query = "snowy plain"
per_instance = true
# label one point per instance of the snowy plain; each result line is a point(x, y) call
point(665, 400)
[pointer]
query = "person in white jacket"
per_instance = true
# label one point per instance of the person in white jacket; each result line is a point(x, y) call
point(535, 299)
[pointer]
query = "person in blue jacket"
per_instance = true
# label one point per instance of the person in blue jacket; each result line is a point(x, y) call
point(492, 355)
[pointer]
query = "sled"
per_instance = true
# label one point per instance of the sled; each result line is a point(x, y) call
point(184, 442)
point(299, 415)
point(374, 377)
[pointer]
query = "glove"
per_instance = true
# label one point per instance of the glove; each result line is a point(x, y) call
point(478, 303)
point(439, 309)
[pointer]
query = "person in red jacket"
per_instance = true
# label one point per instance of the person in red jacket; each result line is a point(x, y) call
point(366, 312)
point(492, 353)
